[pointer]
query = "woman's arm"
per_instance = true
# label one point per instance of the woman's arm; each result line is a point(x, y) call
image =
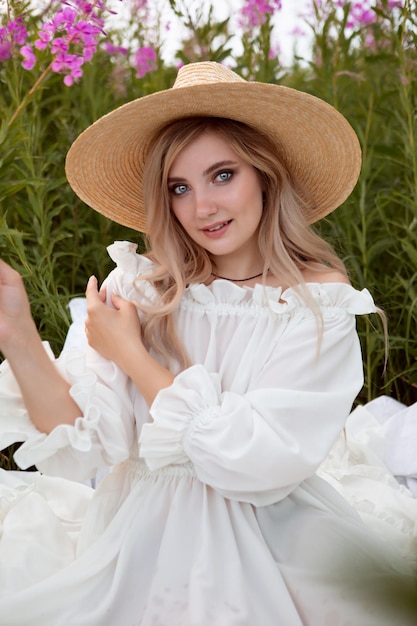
point(116, 334)
point(44, 391)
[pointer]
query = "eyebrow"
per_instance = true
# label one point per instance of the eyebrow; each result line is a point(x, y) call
point(209, 170)
point(217, 166)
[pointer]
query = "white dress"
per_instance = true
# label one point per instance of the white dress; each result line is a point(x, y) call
point(212, 514)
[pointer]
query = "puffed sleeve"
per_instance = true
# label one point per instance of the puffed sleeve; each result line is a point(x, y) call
point(105, 432)
point(257, 447)
point(99, 437)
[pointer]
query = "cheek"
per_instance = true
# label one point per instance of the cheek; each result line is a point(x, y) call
point(173, 207)
point(255, 191)
point(257, 204)
point(256, 215)
point(181, 215)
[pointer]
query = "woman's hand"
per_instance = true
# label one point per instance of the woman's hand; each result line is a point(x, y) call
point(44, 392)
point(116, 334)
point(16, 323)
point(110, 330)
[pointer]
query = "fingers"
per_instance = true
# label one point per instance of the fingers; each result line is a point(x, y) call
point(92, 286)
point(117, 301)
point(91, 291)
point(93, 295)
point(8, 275)
point(123, 305)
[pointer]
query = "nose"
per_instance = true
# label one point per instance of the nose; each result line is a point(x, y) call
point(205, 204)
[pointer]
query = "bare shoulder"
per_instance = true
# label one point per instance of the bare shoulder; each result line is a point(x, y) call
point(319, 273)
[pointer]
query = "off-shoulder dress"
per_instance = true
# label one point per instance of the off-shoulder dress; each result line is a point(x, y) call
point(212, 513)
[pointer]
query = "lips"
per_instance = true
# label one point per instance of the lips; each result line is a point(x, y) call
point(216, 227)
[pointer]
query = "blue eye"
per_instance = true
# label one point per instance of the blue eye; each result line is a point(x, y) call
point(178, 190)
point(224, 176)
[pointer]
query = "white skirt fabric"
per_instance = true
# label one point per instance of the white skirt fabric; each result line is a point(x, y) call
point(161, 548)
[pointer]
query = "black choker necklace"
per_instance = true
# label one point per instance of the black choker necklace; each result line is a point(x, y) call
point(236, 280)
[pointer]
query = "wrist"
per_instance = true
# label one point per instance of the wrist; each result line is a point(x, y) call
point(132, 356)
point(21, 342)
point(144, 370)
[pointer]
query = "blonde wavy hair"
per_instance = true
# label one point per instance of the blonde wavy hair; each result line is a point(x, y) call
point(287, 243)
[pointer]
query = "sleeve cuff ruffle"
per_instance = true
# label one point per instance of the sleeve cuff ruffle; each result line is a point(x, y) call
point(193, 396)
point(74, 451)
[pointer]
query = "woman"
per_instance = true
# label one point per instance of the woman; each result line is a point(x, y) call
point(221, 368)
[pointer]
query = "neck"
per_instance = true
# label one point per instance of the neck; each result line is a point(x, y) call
point(236, 280)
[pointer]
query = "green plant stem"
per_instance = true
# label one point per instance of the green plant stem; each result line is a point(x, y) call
point(25, 101)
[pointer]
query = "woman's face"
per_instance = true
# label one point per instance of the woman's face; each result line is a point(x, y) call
point(217, 198)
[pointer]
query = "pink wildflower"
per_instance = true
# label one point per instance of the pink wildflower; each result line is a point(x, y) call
point(29, 58)
point(59, 46)
point(72, 37)
point(111, 49)
point(13, 34)
point(75, 72)
point(144, 61)
point(360, 15)
point(275, 51)
point(65, 17)
point(255, 12)
point(5, 49)
point(138, 5)
point(17, 31)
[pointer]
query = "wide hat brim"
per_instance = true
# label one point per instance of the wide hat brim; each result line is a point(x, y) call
point(105, 164)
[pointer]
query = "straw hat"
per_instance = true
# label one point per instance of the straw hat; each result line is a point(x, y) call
point(105, 164)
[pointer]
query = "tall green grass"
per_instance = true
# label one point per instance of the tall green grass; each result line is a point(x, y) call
point(374, 85)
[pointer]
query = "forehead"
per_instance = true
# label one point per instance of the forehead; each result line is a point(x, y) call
point(205, 149)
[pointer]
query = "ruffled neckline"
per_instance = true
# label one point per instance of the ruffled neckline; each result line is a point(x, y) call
point(221, 291)
point(340, 295)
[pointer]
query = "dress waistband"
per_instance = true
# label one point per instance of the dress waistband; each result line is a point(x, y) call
point(141, 470)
